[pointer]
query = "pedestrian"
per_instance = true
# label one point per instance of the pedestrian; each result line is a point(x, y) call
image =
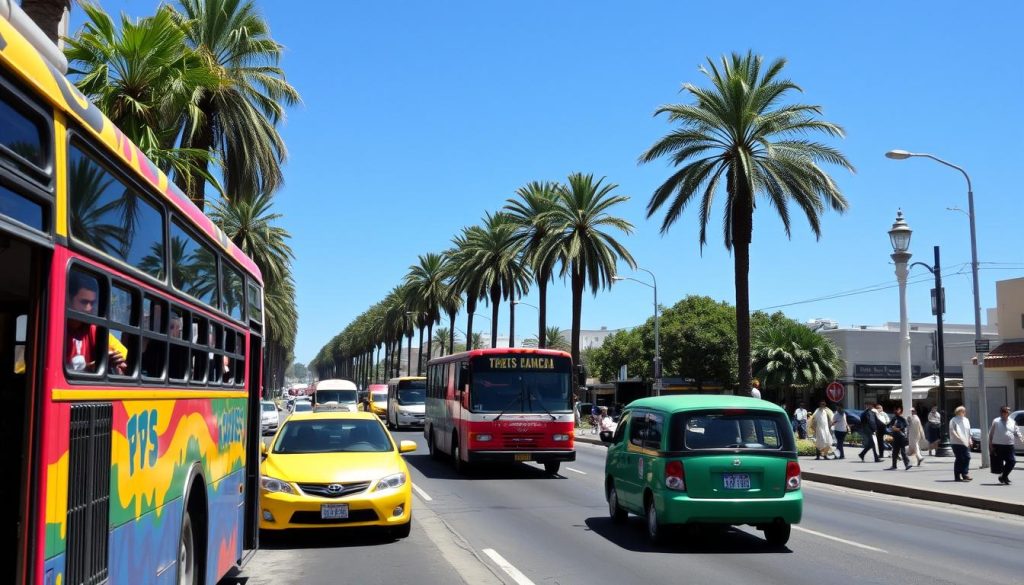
point(934, 429)
point(1001, 437)
point(576, 411)
point(960, 441)
point(821, 429)
point(898, 428)
point(800, 418)
point(595, 418)
point(883, 424)
point(915, 436)
point(840, 428)
point(606, 424)
point(868, 423)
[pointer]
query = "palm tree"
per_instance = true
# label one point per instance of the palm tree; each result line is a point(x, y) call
point(451, 297)
point(47, 15)
point(737, 130)
point(441, 336)
point(427, 282)
point(588, 254)
point(147, 82)
point(465, 276)
point(531, 215)
point(238, 119)
point(788, 355)
point(553, 339)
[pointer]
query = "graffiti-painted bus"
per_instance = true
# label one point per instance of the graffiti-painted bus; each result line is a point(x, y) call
point(502, 404)
point(130, 350)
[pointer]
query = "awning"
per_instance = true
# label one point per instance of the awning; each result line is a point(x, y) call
point(920, 388)
point(1005, 355)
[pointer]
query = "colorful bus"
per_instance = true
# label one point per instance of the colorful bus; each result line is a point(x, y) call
point(130, 350)
point(503, 404)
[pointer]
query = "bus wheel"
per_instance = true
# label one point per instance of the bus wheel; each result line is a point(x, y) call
point(435, 453)
point(461, 467)
point(187, 574)
point(551, 467)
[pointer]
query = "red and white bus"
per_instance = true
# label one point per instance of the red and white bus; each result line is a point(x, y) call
point(501, 404)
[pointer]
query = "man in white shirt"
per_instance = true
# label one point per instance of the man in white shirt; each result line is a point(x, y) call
point(1001, 436)
point(960, 441)
point(800, 416)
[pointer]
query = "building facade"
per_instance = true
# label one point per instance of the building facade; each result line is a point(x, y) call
point(1004, 364)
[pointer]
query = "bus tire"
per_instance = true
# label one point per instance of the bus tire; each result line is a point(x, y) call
point(551, 467)
point(390, 426)
point(435, 453)
point(188, 573)
point(461, 467)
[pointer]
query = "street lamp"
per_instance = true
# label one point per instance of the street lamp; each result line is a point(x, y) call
point(983, 396)
point(540, 336)
point(657, 333)
point(938, 308)
point(899, 236)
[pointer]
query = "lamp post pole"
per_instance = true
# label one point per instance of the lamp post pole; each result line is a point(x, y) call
point(657, 332)
point(541, 335)
point(938, 308)
point(982, 393)
point(899, 235)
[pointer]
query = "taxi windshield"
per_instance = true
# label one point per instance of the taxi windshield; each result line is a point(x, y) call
point(379, 396)
point(332, 436)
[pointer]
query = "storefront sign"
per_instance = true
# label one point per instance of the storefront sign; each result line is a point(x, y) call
point(882, 371)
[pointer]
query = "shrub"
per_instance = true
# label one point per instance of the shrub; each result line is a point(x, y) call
point(805, 447)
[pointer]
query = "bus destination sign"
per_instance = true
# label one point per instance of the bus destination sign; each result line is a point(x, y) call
point(522, 363)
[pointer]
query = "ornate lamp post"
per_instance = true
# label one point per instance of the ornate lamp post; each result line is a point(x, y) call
point(938, 308)
point(899, 236)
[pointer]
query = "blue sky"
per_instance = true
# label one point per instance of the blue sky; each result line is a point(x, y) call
point(418, 117)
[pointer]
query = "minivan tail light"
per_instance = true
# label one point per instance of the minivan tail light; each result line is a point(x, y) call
point(675, 477)
point(792, 476)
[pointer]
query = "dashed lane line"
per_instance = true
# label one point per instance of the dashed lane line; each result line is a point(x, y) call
point(837, 539)
point(506, 566)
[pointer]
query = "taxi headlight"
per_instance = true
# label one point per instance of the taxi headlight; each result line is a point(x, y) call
point(390, 482)
point(272, 484)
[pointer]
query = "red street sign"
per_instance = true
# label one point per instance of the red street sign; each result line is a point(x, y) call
point(835, 392)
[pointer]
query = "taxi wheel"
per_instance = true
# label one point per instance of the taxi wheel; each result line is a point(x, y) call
point(777, 534)
point(402, 531)
point(655, 531)
point(616, 512)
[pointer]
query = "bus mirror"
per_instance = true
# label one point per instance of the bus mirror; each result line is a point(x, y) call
point(581, 375)
point(463, 378)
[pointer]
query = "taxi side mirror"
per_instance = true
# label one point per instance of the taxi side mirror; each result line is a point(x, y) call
point(263, 450)
point(406, 446)
point(606, 436)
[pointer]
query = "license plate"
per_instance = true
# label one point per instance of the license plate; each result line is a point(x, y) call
point(736, 481)
point(522, 457)
point(334, 511)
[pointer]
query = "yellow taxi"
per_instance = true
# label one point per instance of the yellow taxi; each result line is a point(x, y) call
point(378, 399)
point(335, 469)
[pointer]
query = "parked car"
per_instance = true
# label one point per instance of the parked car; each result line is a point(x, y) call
point(335, 469)
point(694, 460)
point(269, 419)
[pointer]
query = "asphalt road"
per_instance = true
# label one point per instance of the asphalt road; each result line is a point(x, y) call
point(514, 524)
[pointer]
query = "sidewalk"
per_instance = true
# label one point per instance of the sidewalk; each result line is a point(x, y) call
point(932, 481)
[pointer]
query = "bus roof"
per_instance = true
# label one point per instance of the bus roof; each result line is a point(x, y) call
point(24, 61)
point(335, 384)
point(499, 351)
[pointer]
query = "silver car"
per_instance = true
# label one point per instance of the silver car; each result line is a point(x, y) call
point(269, 418)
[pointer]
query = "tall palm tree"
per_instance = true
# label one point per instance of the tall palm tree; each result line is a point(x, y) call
point(738, 130)
point(451, 297)
point(531, 215)
point(588, 254)
point(441, 335)
point(239, 117)
point(427, 282)
point(147, 82)
point(465, 276)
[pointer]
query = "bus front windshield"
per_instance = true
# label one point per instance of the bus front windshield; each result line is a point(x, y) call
point(336, 396)
point(542, 386)
point(411, 392)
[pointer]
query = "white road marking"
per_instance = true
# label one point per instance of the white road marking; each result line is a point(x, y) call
point(837, 539)
point(576, 471)
point(422, 493)
point(506, 566)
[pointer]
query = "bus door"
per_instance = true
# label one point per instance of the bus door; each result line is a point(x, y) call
point(22, 298)
point(252, 448)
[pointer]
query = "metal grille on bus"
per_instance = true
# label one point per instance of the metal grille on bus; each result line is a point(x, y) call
point(514, 440)
point(88, 494)
point(324, 489)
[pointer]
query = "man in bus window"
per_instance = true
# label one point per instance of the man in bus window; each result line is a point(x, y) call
point(83, 292)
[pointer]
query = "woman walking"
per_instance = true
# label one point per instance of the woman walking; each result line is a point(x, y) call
point(960, 441)
point(840, 428)
point(934, 429)
point(821, 429)
point(915, 435)
point(898, 428)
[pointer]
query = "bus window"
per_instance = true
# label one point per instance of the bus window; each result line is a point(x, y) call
point(85, 338)
point(124, 310)
point(200, 357)
point(177, 363)
point(154, 347)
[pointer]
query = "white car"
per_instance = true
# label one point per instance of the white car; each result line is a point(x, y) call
point(302, 405)
point(269, 419)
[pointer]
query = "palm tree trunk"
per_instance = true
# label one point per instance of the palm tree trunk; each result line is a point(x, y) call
point(430, 339)
point(408, 355)
point(203, 140)
point(512, 324)
point(577, 309)
point(47, 14)
point(542, 309)
point(470, 309)
point(741, 258)
point(419, 355)
point(398, 362)
point(451, 333)
point(495, 300)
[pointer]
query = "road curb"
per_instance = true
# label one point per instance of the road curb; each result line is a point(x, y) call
point(917, 493)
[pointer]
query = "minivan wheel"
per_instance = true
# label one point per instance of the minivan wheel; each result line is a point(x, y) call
point(655, 531)
point(616, 512)
point(777, 534)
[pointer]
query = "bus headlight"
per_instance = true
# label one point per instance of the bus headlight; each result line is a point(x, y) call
point(561, 437)
point(483, 437)
point(272, 484)
point(390, 482)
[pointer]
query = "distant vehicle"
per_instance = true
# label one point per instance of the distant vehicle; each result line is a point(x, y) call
point(405, 402)
point(377, 399)
point(302, 405)
point(336, 470)
point(695, 460)
point(335, 394)
point(268, 418)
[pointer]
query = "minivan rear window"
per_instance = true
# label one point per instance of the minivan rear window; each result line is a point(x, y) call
point(763, 431)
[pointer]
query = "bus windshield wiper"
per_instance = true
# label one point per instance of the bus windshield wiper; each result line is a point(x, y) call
point(529, 397)
point(509, 405)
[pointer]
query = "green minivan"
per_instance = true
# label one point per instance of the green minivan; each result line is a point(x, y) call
point(702, 459)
